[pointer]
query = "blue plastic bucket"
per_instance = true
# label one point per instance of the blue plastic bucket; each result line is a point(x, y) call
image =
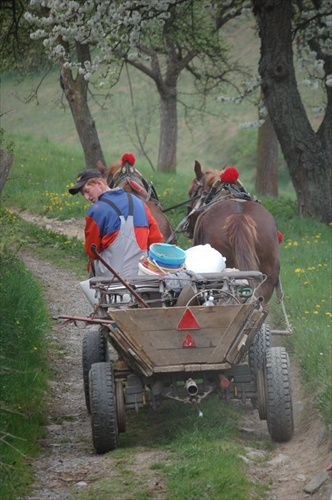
point(166, 255)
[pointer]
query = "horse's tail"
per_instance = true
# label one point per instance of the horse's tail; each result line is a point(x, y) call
point(242, 231)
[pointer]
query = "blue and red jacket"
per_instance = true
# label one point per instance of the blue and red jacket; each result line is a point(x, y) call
point(102, 223)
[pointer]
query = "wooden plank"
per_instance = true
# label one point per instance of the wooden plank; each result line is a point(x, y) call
point(153, 334)
point(254, 322)
point(173, 339)
point(192, 368)
point(219, 353)
point(124, 347)
point(128, 319)
point(217, 317)
point(168, 318)
point(183, 355)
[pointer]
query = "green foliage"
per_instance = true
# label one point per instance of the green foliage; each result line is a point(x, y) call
point(6, 145)
point(202, 135)
point(24, 321)
point(200, 459)
point(40, 167)
point(17, 49)
point(242, 153)
point(207, 464)
point(57, 248)
point(305, 274)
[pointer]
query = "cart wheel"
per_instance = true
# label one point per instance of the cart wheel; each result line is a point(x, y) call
point(120, 406)
point(257, 349)
point(278, 395)
point(256, 355)
point(261, 394)
point(94, 350)
point(103, 408)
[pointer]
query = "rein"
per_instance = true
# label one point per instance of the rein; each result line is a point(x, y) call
point(209, 198)
point(195, 195)
point(183, 224)
point(182, 203)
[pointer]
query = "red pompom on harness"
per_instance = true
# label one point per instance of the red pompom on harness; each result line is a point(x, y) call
point(128, 158)
point(230, 175)
point(280, 237)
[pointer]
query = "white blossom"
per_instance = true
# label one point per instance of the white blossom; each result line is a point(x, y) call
point(255, 124)
point(95, 22)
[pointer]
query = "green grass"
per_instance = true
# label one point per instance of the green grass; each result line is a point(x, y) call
point(207, 464)
point(306, 278)
point(24, 321)
point(201, 455)
point(45, 244)
point(215, 139)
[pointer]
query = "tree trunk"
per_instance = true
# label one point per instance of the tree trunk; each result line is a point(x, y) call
point(168, 132)
point(307, 153)
point(6, 161)
point(76, 92)
point(267, 160)
point(165, 78)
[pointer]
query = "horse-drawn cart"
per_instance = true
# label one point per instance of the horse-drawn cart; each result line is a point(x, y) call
point(181, 336)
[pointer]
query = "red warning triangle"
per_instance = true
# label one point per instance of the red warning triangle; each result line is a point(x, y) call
point(188, 341)
point(188, 321)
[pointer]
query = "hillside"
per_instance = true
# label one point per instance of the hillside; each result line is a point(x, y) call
point(205, 137)
point(215, 137)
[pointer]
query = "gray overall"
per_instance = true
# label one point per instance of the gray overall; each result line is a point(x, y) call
point(124, 253)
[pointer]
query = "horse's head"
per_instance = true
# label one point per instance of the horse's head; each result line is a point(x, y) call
point(199, 188)
point(108, 172)
point(122, 173)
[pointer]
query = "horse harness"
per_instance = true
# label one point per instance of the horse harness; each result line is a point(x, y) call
point(128, 174)
point(208, 198)
point(136, 181)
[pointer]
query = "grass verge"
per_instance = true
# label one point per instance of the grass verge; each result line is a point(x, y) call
point(24, 321)
point(306, 278)
point(196, 458)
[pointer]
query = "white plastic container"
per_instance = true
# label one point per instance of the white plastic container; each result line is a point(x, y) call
point(204, 259)
point(146, 266)
point(144, 270)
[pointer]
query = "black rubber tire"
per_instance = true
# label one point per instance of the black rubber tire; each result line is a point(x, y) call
point(103, 408)
point(256, 358)
point(279, 407)
point(257, 349)
point(94, 350)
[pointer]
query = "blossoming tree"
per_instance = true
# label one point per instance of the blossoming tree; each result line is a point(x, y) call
point(160, 38)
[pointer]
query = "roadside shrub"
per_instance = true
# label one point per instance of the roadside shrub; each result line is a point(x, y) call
point(23, 323)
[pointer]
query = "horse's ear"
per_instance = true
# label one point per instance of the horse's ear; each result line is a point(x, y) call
point(198, 170)
point(101, 168)
point(114, 167)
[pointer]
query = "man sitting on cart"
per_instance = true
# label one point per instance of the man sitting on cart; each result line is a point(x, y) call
point(119, 224)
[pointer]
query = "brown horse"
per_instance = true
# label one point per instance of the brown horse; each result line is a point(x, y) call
point(243, 231)
point(122, 173)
